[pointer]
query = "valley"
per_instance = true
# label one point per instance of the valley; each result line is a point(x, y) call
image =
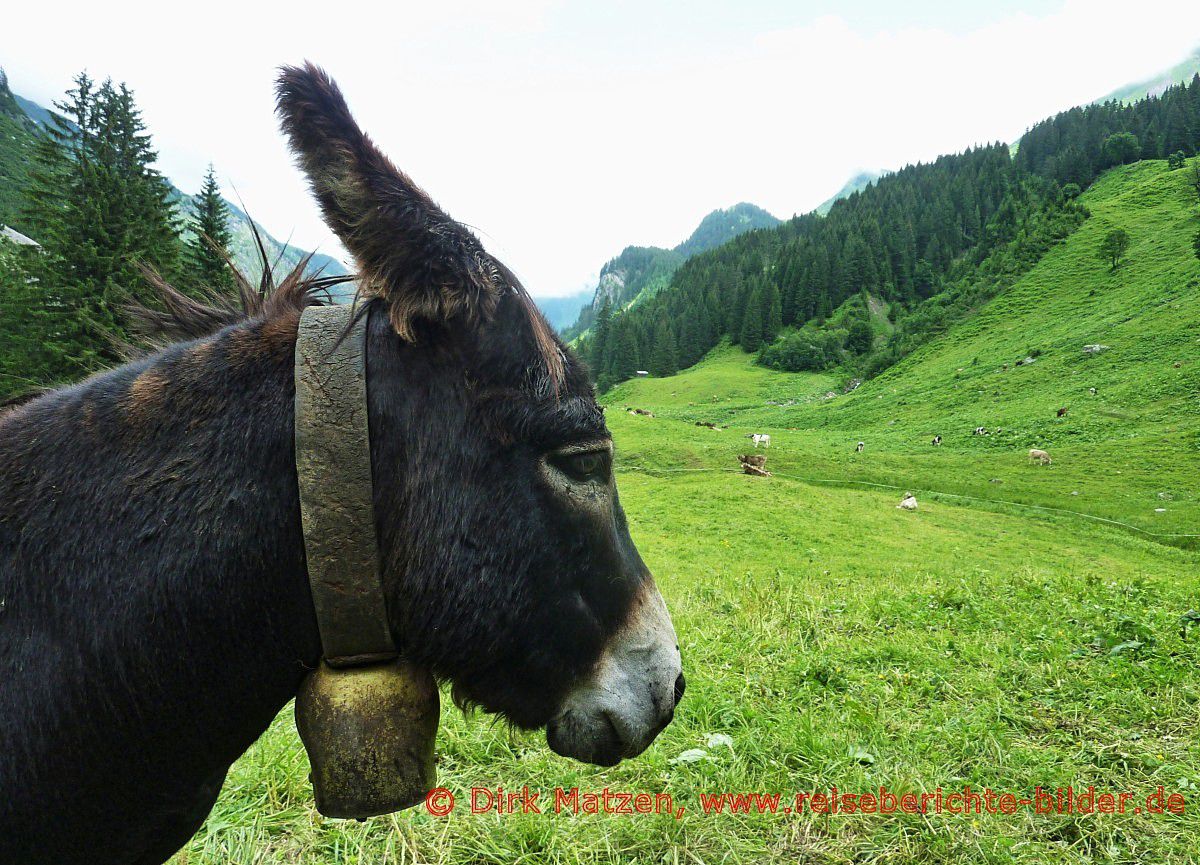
point(1026, 627)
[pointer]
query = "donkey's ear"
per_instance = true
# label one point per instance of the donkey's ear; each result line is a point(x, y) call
point(409, 252)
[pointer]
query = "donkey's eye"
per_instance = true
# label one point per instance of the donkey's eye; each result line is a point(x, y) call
point(584, 465)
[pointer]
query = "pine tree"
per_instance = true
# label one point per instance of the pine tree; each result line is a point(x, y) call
point(750, 337)
point(208, 247)
point(626, 359)
point(99, 208)
point(601, 349)
point(664, 359)
point(772, 314)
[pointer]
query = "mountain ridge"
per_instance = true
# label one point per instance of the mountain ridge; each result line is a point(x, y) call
point(858, 182)
point(1155, 85)
point(640, 271)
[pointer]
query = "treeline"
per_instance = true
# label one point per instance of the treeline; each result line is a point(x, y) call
point(645, 270)
point(929, 242)
point(99, 210)
point(1077, 145)
point(895, 240)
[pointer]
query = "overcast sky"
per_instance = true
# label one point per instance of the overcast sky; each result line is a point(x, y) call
point(565, 131)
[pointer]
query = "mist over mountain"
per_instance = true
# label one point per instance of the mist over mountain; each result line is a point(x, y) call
point(1156, 85)
point(857, 183)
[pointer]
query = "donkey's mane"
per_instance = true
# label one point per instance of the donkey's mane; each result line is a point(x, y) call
point(180, 317)
point(183, 317)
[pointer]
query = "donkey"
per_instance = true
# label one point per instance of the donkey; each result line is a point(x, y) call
point(155, 612)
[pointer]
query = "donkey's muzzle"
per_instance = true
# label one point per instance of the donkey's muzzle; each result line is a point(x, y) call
point(369, 732)
point(631, 694)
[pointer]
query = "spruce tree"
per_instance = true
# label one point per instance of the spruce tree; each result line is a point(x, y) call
point(626, 359)
point(772, 314)
point(692, 338)
point(750, 337)
point(601, 346)
point(99, 208)
point(664, 358)
point(208, 247)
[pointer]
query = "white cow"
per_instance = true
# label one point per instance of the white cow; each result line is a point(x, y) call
point(760, 437)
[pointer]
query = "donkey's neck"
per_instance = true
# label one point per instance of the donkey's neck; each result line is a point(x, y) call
point(155, 611)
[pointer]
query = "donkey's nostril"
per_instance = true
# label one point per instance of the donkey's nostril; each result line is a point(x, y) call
point(680, 684)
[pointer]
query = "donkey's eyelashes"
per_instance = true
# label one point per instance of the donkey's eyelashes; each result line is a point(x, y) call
point(584, 466)
point(585, 461)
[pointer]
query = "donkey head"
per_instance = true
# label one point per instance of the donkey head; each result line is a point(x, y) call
point(508, 565)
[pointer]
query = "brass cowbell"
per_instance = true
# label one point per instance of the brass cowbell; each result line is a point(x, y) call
point(369, 732)
point(367, 717)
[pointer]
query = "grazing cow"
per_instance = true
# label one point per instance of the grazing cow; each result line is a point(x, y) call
point(937, 441)
point(858, 448)
point(156, 612)
point(754, 464)
point(762, 438)
point(1039, 456)
point(981, 431)
point(1062, 412)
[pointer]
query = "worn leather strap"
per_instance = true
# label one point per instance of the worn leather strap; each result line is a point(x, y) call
point(333, 466)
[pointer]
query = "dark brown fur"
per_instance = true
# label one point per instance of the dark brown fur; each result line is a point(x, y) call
point(155, 609)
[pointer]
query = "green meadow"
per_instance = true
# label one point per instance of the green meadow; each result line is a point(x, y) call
point(1028, 626)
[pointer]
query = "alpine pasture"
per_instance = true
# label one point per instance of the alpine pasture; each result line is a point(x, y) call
point(1028, 626)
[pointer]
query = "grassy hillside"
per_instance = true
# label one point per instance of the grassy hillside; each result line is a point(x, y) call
point(831, 639)
point(1123, 453)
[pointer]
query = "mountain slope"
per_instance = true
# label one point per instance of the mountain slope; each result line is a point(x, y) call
point(1128, 452)
point(640, 271)
point(857, 183)
point(17, 138)
point(1178, 74)
point(561, 312)
point(722, 226)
